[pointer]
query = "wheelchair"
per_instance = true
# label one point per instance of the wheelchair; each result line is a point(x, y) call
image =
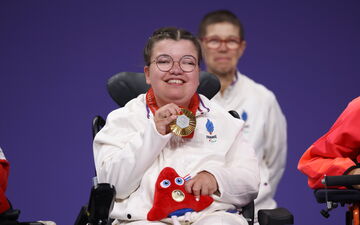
point(11, 216)
point(123, 87)
point(332, 197)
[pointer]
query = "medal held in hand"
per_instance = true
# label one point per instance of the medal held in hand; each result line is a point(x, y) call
point(185, 123)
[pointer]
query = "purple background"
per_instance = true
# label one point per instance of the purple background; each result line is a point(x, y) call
point(55, 58)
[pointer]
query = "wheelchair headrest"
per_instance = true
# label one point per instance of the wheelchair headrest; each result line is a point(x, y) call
point(125, 86)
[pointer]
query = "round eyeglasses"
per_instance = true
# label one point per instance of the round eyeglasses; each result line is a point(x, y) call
point(165, 63)
point(215, 42)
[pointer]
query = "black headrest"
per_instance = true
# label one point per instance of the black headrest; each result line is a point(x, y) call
point(125, 86)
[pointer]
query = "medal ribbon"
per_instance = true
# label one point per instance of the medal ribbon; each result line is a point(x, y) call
point(151, 103)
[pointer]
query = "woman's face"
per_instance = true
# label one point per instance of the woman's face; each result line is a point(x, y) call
point(176, 85)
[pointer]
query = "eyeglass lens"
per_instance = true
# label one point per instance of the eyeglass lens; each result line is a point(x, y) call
point(165, 62)
point(231, 43)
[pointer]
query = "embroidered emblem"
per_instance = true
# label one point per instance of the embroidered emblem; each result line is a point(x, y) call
point(209, 126)
point(245, 117)
point(210, 129)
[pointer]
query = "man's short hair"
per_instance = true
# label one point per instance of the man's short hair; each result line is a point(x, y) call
point(220, 16)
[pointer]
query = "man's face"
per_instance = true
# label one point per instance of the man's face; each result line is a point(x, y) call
point(222, 60)
point(175, 85)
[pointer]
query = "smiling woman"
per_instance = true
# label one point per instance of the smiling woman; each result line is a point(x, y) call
point(172, 58)
point(167, 129)
point(169, 80)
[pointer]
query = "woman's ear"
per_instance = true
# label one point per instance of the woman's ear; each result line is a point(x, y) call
point(147, 74)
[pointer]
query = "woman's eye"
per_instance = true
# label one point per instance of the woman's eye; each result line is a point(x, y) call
point(163, 61)
point(188, 62)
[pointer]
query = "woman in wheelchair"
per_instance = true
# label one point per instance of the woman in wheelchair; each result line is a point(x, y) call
point(174, 156)
point(337, 152)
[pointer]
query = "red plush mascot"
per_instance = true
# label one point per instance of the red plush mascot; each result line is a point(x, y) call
point(171, 199)
point(4, 173)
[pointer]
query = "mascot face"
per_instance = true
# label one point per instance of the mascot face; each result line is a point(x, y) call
point(170, 197)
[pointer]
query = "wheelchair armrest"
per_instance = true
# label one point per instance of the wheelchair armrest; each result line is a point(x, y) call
point(10, 214)
point(82, 218)
point(101, 201)
point(248, 212)
point(337, 195)
point(278, 216)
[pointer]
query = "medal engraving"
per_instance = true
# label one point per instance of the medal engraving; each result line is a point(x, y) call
point(184, 124)
point(182, 121)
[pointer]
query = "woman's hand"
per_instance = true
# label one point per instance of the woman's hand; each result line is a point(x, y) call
point(204, 183)
point(164, 116)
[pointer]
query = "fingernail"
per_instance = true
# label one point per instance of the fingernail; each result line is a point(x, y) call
point(197, 198)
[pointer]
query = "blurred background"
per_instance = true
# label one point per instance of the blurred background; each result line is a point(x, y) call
point(56, 56)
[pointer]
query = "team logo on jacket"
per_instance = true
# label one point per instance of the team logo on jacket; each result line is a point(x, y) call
point(244, 116)
point(210, 128)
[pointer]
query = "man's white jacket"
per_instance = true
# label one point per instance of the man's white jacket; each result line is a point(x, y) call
point(264, 128)
point(130, 153)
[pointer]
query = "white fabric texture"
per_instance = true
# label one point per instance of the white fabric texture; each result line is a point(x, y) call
point(265, 128)
point(129, 153)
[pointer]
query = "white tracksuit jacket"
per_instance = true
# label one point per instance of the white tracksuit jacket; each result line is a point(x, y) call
point(130, 153)
point(265, 129)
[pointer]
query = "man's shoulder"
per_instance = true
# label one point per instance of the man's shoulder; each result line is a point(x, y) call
point(256, 88)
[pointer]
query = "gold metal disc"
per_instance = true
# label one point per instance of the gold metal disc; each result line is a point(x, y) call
point(178, 195)
point(184, 124)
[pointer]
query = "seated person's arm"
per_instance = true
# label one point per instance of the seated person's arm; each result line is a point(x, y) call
point(124, 149)
point(4, 173)
point(336, 152)
point(237, 182)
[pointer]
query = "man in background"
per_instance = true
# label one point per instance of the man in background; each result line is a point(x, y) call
point(223, 42)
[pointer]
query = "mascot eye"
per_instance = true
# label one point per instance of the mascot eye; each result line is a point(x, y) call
point(179, 181)
point(165, 183)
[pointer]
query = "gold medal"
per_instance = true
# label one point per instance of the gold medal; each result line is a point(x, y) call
point(184, 124)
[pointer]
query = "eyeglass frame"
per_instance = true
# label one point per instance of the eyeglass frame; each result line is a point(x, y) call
point(173, 62)
point(226, 40)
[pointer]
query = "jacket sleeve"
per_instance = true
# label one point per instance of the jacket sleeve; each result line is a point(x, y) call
point(4, 173)
point(124, 149)
point(336, 151)
point(239, 179)
point(275, 148)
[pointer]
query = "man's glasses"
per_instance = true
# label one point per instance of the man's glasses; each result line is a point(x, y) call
point(165, 63)
point(215, 42)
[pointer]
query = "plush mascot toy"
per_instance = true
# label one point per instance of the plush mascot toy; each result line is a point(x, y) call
point(170, 198)
point(4, 173)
